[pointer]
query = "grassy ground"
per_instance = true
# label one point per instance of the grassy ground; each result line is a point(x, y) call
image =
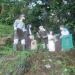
point(13, 62)
point(37, 63)
point(5, 30)
point(57, 63)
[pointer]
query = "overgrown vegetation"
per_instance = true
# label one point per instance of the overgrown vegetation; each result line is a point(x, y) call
point(5, 30)
point(14, 63)
point(37, 63)
point(51, 14)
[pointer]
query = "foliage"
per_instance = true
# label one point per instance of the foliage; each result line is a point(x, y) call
point(14, 63)
point(50, 13)
point(60, 63)
point(31, 62)
point(5, 30)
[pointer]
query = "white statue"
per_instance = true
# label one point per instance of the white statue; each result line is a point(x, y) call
point(51, 41)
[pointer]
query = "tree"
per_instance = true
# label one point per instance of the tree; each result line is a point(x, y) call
point(50, 13)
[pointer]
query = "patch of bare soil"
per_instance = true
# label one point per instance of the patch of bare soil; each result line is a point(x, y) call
point(5, 40)
point(45, 63)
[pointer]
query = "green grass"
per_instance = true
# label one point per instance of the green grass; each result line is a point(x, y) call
point(5, 30)
point(12, 60)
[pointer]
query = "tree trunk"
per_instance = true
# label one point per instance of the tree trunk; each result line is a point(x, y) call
point(1, 8)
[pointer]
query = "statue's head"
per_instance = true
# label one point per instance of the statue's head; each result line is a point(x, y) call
point(62, 27)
